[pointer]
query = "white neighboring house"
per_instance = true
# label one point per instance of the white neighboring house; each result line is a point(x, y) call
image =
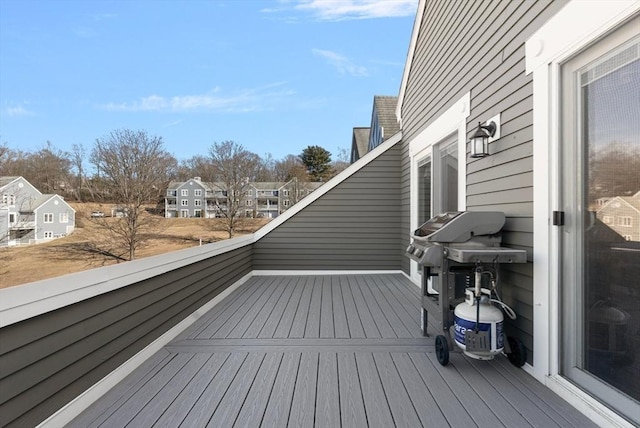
point(27, 216)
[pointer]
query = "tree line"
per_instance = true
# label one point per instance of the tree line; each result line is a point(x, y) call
point(82, 174)
point(133, 169)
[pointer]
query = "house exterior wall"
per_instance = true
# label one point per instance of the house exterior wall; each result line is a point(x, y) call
point(48, 360)
point(58, 227)
point(354, 226)
point(478, 48)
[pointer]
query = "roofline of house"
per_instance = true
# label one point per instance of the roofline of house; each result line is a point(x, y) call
point(407, 64)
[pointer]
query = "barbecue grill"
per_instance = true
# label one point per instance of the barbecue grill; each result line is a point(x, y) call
point(452, 249)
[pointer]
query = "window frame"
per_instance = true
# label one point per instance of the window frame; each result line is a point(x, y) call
point(47, 218)
point(451, 124)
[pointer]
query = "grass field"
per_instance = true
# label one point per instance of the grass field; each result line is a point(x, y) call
point(24, 264)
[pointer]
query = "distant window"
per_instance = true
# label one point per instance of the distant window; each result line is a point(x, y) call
point(249, 202)
point(198, 202)
point(48, 234)
point(285, 193)
point(64, 218)
point(12, 218)
point(286, 202)
point(184, 202)
point(184, 192)
point(197, 192)
point(48, 218)
point(184, 213)
point(624, 221)
point(197, 213)
point(628, 238)
point(607, 219)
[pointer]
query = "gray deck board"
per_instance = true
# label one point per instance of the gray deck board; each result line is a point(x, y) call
point(352, 412)
point(304, 396)
point(324, 350)
point(328, 397)
point(279, 405)
point(339, 314)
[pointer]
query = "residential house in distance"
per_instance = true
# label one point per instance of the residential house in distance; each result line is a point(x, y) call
point(27, 216)
point(622, 214)
point(197, 198)
point(157, 341)
point(383, 125)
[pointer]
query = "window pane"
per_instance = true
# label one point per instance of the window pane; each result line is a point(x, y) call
point(424, 190)
point(610, 113)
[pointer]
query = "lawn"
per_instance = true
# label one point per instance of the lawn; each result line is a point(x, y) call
point(24, 264)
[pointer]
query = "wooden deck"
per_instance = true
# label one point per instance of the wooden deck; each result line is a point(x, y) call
point(333, 351)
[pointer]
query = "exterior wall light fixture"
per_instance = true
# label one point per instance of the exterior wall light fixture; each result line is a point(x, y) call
point(480, 139)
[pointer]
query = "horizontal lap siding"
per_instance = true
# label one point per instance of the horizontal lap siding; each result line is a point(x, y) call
point(478, 47)
point(354, 226)
point(48, 360)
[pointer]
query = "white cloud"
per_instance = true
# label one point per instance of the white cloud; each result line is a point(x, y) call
point(336, 10)
point(258, 99)
point(18, 111)
point(341, 63)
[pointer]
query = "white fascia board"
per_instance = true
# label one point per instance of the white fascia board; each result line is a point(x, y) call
point(577, 23)
point(29, 300)
point(407, 65)
point(326, 187)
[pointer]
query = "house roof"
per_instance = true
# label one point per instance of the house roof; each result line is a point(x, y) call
point(6, 180)
point(385, 106)
point(361, 140)
point(632, 201)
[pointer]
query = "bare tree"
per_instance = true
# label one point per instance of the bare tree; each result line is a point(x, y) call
point(290, 167)
point(236, 168)
point(135, 169)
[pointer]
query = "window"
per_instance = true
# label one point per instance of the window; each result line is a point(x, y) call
point(48, 217)
point(184, 213)
point(607, 219)
point(63, 218)
point(624, 221)
point(184, 192)
point(197, 202)
point(628, 237)
point(48, 234)
point(602, 86)
point(250, 192)
point(12, 218)
point(249, 202)
point(285, 193)
point(197, 213)
point(184, 202)
point(438, 168)
point(197, 192)
point(286, 202)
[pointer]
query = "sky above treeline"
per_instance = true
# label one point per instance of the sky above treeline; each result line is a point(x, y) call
point(272, 75)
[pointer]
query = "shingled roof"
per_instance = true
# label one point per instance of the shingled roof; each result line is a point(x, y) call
point(359, 143)
point(385, 106)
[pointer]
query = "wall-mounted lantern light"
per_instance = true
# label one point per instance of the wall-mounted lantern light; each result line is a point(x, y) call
point(480, 139)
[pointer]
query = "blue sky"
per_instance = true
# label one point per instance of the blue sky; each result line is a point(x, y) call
point(273, 75)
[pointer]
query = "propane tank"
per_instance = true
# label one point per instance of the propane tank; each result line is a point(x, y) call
point(477, 313)
point(491, 320)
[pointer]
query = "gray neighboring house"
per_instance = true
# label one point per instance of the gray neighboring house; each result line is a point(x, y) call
point(383, 126)
point(27, 216)
point(197, 198)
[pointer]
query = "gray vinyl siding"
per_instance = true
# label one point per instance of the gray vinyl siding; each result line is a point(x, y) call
point(48, 360)
point(354, 226)
point(57, 228)
point(478, 47)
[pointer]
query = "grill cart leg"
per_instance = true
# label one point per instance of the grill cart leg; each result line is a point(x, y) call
point(424, 322)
